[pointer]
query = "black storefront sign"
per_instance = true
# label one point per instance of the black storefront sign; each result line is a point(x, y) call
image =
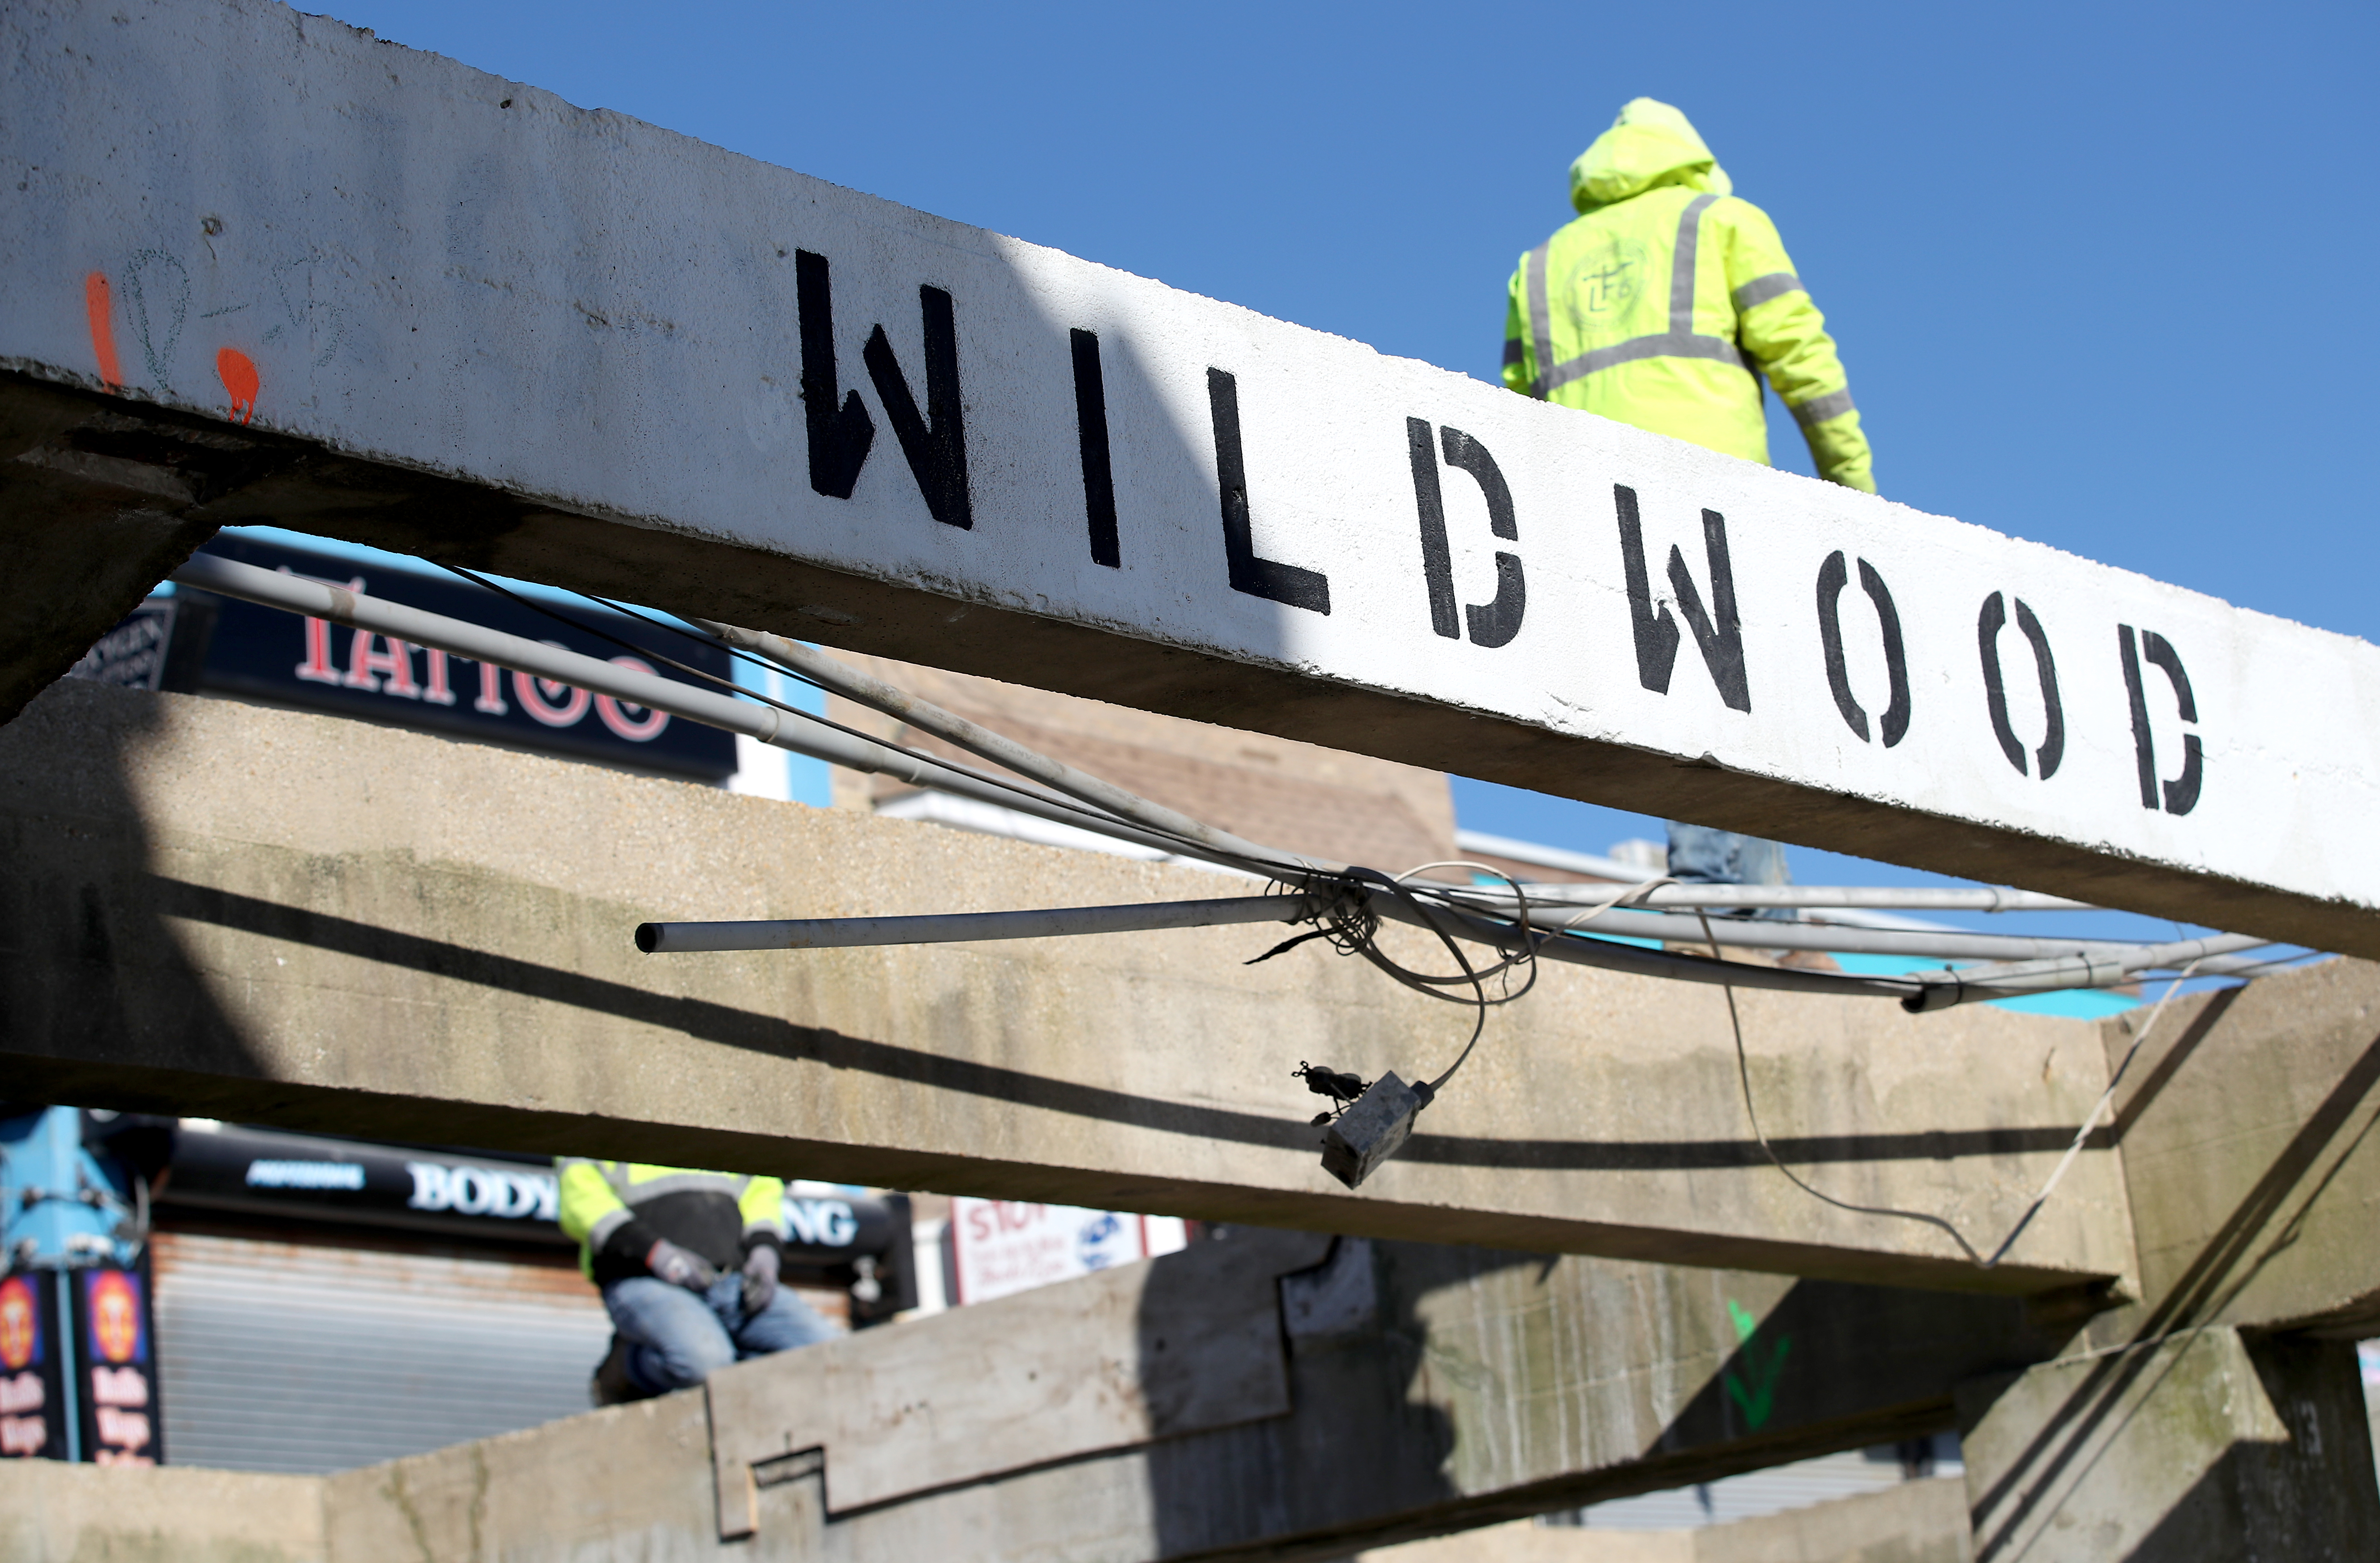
point(477, 1194)
point(33, 1368)
point(79, 1366)
point(133, 654)
point(256, 1172)
point(236, 648)
point(115, 1357)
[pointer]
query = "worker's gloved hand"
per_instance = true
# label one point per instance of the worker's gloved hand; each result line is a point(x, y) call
point(760, 1279)
point(679, 1266)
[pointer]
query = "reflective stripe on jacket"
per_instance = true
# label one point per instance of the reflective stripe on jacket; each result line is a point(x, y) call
point(1660, 304)
point(616, 1209)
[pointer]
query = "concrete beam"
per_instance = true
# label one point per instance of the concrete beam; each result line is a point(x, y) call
point(2201, 1444)
point(223, 909)
point(431, 308)
point(2246, 1127)
point(2181, 1426)
point(1430, 1390)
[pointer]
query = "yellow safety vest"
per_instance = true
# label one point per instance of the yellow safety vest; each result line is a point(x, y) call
point(1663, 303)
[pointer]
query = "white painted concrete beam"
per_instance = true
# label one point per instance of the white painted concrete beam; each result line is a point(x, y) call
point(654, 365)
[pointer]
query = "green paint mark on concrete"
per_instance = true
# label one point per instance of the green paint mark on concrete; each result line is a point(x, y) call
point(1754, 1389)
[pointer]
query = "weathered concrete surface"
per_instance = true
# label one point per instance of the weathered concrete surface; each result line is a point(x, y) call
point(1924, 1521)
point(1329, 803)
point(2202, 1445)
point(278, 918)
point(1431, 1390)
point(1175, 1346)
point(52, 1512)
point(457, 316)
point(2246, 1127)
point(85, 537)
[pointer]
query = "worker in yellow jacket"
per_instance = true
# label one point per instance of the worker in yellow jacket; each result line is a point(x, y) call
point(1664, 305)
point(1669, 299)
point(688, 1262)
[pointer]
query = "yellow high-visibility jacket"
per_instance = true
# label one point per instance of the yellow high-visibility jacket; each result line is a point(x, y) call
point(1668, 297)
point(616, 1210)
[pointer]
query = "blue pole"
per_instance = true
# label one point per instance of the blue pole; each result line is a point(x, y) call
point(67, 1363)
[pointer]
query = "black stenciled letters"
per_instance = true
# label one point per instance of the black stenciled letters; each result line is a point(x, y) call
point(1091, 433)
point(1436, 564)
point(1832, 577)
point(839, 436)
point(1988, 634)
point(1657, 633)
point(935, 444)
point(2180, 795)
point(1493, 624)
point(1267, 579)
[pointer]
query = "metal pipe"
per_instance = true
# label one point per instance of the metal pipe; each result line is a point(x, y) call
point(1940, 990)
point(844, 933)
point(1635, 959)
point(952, 728)
point(1947, 944)
point(795, 731)
point(1988, 898)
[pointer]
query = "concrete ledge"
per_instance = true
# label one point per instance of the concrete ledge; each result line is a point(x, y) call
point(52, 1512)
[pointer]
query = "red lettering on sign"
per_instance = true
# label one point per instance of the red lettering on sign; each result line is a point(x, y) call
point(317, 667)
point(491, 690)
point(119, 1386)
point(435, 690)
point(124, 1429)
point(641, 729)
point(363, 662)
point(25, 1392)
point(542, 698)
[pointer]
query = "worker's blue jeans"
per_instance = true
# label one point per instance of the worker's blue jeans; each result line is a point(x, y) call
point(1700, 855)
point(677, 1338)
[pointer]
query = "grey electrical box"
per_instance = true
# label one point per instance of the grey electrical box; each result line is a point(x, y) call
point(1373, 1130)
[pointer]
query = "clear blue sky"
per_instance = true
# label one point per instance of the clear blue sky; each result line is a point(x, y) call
point(2099, 273)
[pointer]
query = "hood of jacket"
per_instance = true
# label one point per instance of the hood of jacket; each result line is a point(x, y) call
point(1651, 144)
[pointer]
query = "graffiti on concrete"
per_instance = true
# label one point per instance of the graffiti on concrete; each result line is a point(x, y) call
point(151, 291)
point(1754, 1390)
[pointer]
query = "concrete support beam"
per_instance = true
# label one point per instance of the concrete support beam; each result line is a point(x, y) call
point(2204, 1443)
point(581, 349)
point(2246, 1127)
point(249, 913)
point(2182, 1427)
point(90, 530)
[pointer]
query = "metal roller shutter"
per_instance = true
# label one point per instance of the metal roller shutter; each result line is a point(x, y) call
point(312, 1357)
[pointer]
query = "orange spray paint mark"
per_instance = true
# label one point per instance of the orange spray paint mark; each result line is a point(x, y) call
point(239, 373)
point(100, 306)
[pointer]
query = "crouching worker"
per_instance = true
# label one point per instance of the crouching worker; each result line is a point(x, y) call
point(688, 1262)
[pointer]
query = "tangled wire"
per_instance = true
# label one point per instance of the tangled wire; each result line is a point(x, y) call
point(1352, 927)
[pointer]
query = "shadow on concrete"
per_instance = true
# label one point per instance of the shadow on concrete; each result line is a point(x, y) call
point(88, 969)
point(770, 1033)
point(2224, 1268)
point(1431, 1382)
point(2288, 1495)
point(1362, 1461)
